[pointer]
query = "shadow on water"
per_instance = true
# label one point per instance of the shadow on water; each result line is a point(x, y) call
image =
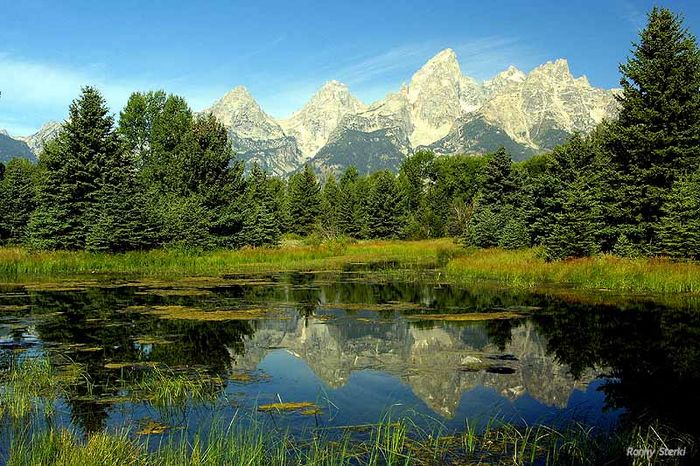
point(358, 348)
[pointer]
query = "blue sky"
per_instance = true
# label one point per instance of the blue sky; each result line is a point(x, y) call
point(284, 50)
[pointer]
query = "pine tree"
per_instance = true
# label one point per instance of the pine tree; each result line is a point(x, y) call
point(384, 206)
point(261, 226)
point(17, 199)
point(71, 168)
point(656, 138)
point(498, 181)
point(679, 228)
point(577, 226)
point(349, 209)
point(514, 233)
point(483, 227)
point(210, 171)
point(304, 201)
point(121, 223)
point(331, 200)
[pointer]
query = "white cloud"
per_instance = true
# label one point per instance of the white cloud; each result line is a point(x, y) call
point(34, 92)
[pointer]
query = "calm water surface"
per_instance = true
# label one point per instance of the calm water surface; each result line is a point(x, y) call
point(360, 349)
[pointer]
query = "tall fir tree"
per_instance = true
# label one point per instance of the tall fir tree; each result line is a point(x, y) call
point(350, 211)
point(121, 222)
point(679, 227)
point(657, 135)
point(71, 169)
point(497, 204)
point(304, 201)
point(261, 226)
point(211, 172)
point(331, 200)
point(384, 206)
point(498, 181)
point(577, 226)
point(17, 199)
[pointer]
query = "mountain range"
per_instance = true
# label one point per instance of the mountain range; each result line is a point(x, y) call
point(439, 109)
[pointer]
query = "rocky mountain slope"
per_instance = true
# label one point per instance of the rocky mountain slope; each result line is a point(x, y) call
point(439, 109)
point(13, 147)
point(37, 140)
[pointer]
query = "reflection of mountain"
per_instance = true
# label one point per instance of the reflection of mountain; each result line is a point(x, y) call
point(439, 362)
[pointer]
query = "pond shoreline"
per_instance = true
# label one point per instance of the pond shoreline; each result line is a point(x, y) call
point(451, 264)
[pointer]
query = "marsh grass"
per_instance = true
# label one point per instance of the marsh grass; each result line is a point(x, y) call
point(19, 264)
point(396, 260)
point(165, 388)
point(526, 268)
point(389, 443)
point(32, 383)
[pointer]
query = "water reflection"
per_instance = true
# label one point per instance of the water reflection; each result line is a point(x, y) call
point(357, 347)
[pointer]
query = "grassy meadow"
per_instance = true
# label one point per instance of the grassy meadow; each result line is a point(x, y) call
point(523, 268)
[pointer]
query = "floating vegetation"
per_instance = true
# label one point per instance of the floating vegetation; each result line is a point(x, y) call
point(311, 411)
point(176, 292)
point(243, 377)
point(471, 316)
point(377, 307)
point(11, 308)
point(151, 427)
point(146, 340)
point(289, 406)
point(192, 313)
point(130, 365)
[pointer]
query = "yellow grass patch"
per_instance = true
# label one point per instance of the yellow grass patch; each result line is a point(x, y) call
point(151, 427)
point(191, 313)
point(288, 406)
point(472, 316)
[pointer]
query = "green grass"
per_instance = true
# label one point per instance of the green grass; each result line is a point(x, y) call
point(19, 264)
point(404, 259)
point(32, 383)
point(526, 268)
point(389, 443)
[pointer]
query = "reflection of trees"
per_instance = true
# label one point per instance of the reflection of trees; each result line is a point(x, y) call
point(97, 318)
point(653, 356)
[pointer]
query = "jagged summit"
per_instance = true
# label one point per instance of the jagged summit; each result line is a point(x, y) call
point(559, 67)
point(312, 125)
point(239, 111)
point(46, 133)
point(444, 56)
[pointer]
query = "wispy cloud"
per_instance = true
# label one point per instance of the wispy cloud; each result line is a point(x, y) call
point(372, 76)
point(632, 14)
point(33, 92)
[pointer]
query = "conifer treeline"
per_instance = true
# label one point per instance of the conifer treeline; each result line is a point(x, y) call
point(163, 176)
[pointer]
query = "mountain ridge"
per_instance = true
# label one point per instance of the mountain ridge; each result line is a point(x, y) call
point(438, 109)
